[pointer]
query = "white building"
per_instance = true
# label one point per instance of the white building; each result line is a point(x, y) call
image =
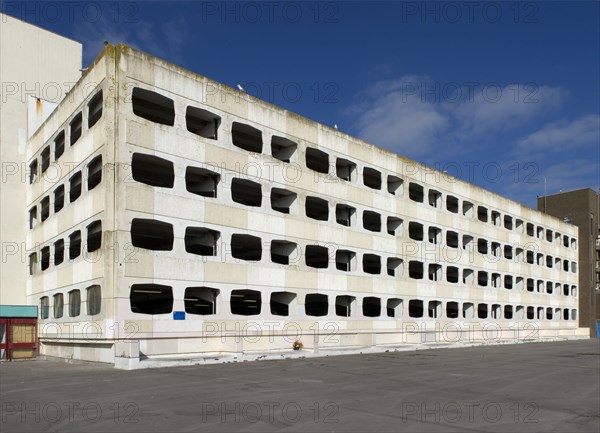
point(189, 218)
point(32, 83)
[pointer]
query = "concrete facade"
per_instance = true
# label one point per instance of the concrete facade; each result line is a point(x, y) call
point(32, 83)
point(582, 208)
point(191, 219)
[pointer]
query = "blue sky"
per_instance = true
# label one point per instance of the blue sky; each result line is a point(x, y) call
point(501, 94)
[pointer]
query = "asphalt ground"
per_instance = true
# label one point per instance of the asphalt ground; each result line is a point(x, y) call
point(541, 387)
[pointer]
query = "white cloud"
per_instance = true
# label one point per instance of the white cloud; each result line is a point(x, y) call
point(415, 116)
point(564, 135)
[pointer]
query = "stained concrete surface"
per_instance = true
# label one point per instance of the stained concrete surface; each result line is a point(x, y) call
point(540, 387)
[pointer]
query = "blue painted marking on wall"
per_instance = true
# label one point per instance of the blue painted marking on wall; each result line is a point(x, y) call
point(178, 315)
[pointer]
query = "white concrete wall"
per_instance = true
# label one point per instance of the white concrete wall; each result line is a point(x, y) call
point(33, 63)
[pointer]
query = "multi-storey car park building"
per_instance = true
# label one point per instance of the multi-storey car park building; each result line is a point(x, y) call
point(173, 215)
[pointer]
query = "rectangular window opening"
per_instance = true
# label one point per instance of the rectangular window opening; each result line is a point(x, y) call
point(434, 309)
point(153, 170)
point(371, 264)
point(371, 306)
point(394, 307)
point(394, 226)
point(201, 181)
point(202, 122)
point(415, 231)
point(452, 204)
point(482, 278)
point(246, 137)
point(452, 274)
point(45, 259)
point(74, 245)
point(245, 302)
point(75, 187)
point(435, 198)
point(415, 269)
point(33, 171)
point(344, 305)
point(316, 304)
point(282, 200)
point(345, 169)
point(201, 241)
point(246, 192)
point(434, 236)
point(44, 307)
point(395, 267)
point(415, 308)
point(94, 236)
point(345, 260)
point(45, 159)
point(317, 208)
point(452, 239)
point(75, 128)
point(468, 277)
point(94, 300)
point(152, 234)
point(316, 256)
point(281, 302)
point(59, 145)
point(283, 148)
point(434, 272)
point(151, 299)
point(45, 208)
point(94, 172)
point(281, 251)
point(201, 300)
point(482, 214)
point(345, 215)
point(508, 222)
point(416, 192)
point(482, 311)
point(59, 252)
point(371, 221)
point(468, 310)
point(58, 305)
point(95, 109)
point(468, 209)
point(59, 198)
point(372, 178)
point(74, 303)
point(317, 160)
point(452, 310)
point(153, 106)
point(246, 247)
point(394, 184)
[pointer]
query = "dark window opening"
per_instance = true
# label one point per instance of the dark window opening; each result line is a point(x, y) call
point(394, 307)
point(531, 313)
point(434, 272)
point(495, 249)
point(45, 208)
point(75, 187)
point(565, 264)
point(452, 204)
point(32, 216)
point(415, 270)
point(58, 305)
point(345, 169)
point(434, 309)
point(201, 182)
point(59, 252)
point(33, 171)
point(482, 214)
point(95, 109)
point(508, 252)
point(496, 218)
point(153, 106)
point(549, 261)
point(565, 290)
point(508, 282)
point(201, 241)
point(540, 232)
point(416, 192)
point(316, 304)
point(94, 300)
point(94, 172)
point(281, 251)
point(151, 299)
point(452, 239)
point(372, 178)
point(74, 303)
point(246, 247)
point(468, 312)
point(74, 245)
point(452, 310)
point(394, 226)
point(45, 159)
point(482, 278)
point(549, 313)
point(371, 263)
point(151, 234)
point(201, 300)
point(202, 122)
point(245, 302)
point(530, 229)
point(59, 145)
point(508, 312)
point(246, 192)
point(32, 263)
point(282, 148)
point(371, 306)
point(75, 128)
point(344, 305)
point(394, 183)
point(415, 231)
point(415, 308)
point(246, 137)
point(508, 222)
point(317, 208)
point(282, 200)
point(94, 236)
point(153, 170)
point(317, 160)
point(565, 241)
point(452, 274)
point(482, 246)
point(482, 311)
point(519, 225)
point(435, 198)
point(280, 303)
point(345, 260)
point(344, 214)
point(45, 261)
point(394, 267)
point(495, 280)
point(549, 287)
point(371, 221)
point(317, 256)
point(530, 257)
point(496, 313)
point(434, 235)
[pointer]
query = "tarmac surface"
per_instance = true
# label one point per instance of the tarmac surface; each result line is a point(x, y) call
point(536, 387)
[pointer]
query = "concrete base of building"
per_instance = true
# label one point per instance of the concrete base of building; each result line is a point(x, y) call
point(155, 353)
